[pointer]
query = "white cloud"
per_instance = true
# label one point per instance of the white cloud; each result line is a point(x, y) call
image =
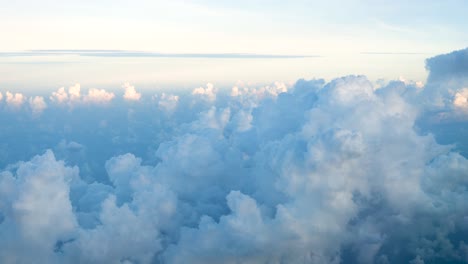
point(98, 96)
point(130, 93)
point(37, 104)
point(37, 208)
point(209, 92)
point(62, 97)
point(168, 102)
point(461, 99)
point(74, 92)
point(15, 100)
point(1, 96)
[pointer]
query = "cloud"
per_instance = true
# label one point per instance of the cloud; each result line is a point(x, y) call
point(209, 92)
point(74, 92)
point(449, 66)
point(461, 99)
point(315, 172)
point(37, 104)
point(15, 100)
point(73, 97)
point(59, 96)
point(168, 102)
point(62, 97)
point(265, 91)
point(138, 54)
point(37, 208)
point(1, 96)
point(130, 93)
point(98, 96)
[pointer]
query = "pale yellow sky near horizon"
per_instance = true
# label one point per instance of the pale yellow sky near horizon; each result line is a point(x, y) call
point(50, 72)
point(402, 35)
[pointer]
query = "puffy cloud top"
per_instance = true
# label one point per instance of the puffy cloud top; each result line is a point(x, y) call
point(448, 66)
point(98, 96)
point(209, 92)
point(15, 99)
point(74, 97)
point(130, 93)
point(62, 97)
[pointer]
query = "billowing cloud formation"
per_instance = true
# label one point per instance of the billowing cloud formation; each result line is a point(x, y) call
point(15, 100)
point(448, 75)
point(130, 93)
point(36, 210)
point(74, 97)
point(452, 66)
point(336, 172)
point(62, 97)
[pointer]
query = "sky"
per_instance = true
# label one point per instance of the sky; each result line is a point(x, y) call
point(272, 27)
point(392, 34)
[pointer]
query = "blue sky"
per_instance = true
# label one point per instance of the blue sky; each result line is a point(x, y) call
point(310, 27)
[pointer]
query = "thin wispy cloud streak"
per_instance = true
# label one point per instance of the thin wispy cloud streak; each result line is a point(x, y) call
point(394, 53)
point(142, 54)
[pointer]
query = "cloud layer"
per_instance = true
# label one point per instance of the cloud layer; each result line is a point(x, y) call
point(316, 172)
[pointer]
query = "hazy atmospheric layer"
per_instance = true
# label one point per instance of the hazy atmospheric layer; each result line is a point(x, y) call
point(314, 173)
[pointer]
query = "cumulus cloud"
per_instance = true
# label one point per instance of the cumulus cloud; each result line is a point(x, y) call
point(37, 104)
point(36, 207)
point(60, 96)
point(98, 96)
point(446, 67)
point(209, 92)
point(15, 100)
point(73, 97)
point(130, 93)
point(265, 91)
point(316, 172)
point(168, 102)
point(70, 98)
point(448, 74)
point(1, 96)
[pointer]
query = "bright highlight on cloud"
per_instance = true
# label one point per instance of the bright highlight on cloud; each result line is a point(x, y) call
point(130, 93)
point(209, 92)
point(315, 172)
point(14, 100)
point(461, 99)
point(98, 96)
point(73, 96)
